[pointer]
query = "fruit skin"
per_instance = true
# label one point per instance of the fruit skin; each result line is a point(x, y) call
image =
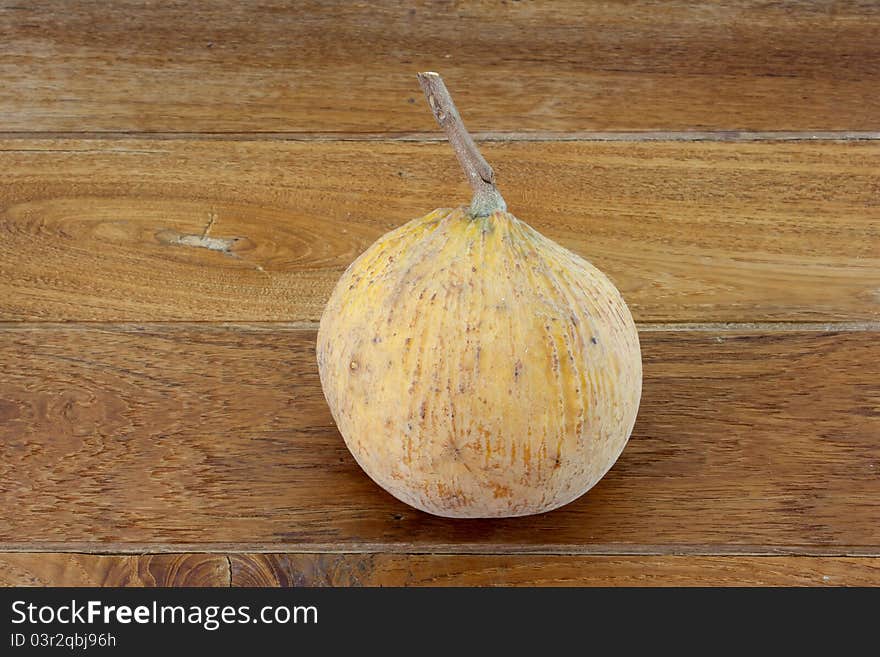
point(477, 369)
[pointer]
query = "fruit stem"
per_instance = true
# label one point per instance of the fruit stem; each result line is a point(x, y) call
point(486, 199)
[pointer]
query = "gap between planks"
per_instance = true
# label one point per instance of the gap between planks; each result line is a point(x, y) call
point(643, 327)
point(684, 550)
point(658, 135)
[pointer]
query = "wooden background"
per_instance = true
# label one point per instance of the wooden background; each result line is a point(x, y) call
point(182, 183)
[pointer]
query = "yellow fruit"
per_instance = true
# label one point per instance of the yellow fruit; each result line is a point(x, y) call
point(474, 367)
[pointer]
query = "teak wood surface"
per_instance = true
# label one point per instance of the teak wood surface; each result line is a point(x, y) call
point(183, 184)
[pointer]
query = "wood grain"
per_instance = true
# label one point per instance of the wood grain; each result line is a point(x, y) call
point(297, 570)
point(189, 438)
point(342, 66)
point(290, 570)
point(155, 230)
point(153, 570)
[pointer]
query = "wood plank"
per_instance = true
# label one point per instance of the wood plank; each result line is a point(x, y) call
point(61, 569)
point(110, 230)
point(291, 570)
point(192, 438)
point(342, 66)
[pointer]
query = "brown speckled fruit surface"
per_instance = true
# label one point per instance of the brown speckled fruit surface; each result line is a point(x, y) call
point(478, 369)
